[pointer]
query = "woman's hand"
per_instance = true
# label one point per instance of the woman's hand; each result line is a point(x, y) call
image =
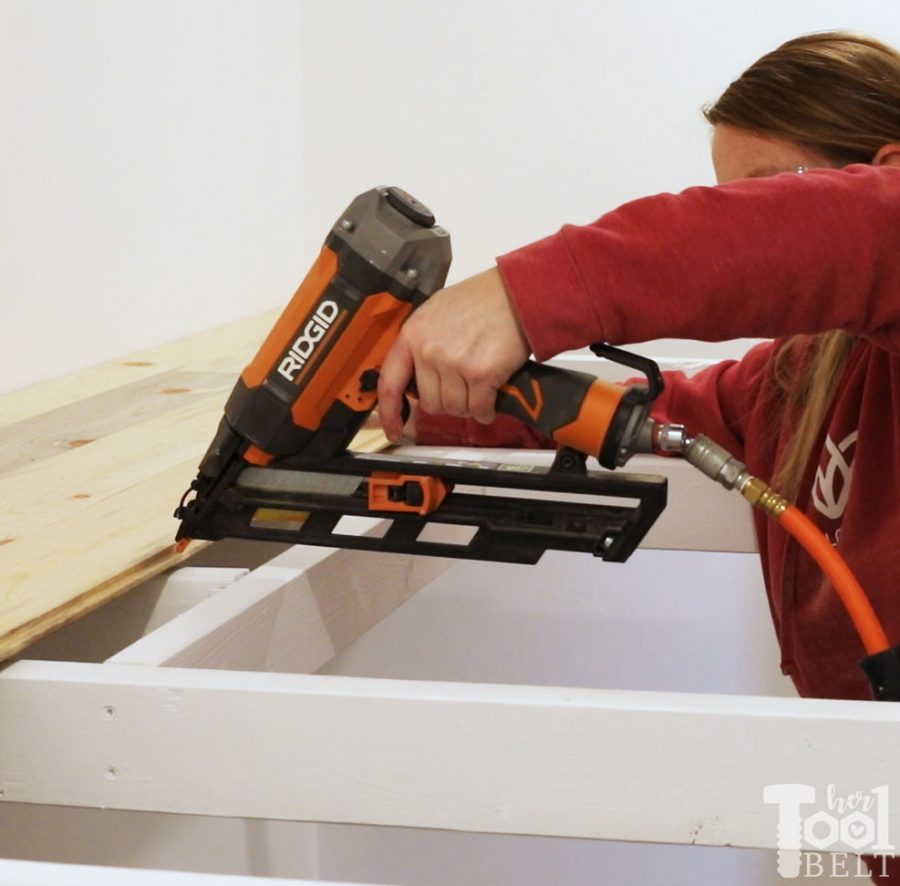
point(460, 346)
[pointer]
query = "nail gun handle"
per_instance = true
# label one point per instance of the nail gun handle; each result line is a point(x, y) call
point(577, 410)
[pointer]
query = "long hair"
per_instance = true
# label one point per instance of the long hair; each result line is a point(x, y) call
point(839, 94)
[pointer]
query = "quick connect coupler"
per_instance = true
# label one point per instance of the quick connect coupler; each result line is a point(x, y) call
point(720, 465)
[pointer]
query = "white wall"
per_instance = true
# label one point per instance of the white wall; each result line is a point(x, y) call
point(149, 174)
point(510, 117)
point(168, 166)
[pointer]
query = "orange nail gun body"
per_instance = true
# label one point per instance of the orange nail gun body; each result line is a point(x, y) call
point(278, 467)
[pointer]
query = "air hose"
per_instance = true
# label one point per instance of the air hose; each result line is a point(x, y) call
point(882, 662)
point(838, 572)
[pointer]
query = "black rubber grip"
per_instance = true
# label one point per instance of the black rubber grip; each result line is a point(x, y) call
point(544, 397)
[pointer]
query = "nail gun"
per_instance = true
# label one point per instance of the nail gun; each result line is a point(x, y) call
point(279, 467)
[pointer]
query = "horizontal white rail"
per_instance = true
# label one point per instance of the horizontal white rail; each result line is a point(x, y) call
point(34, 873)
point(660, 767)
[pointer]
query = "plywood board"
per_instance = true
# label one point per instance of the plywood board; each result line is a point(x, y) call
point(222, 349)
point(92, 466)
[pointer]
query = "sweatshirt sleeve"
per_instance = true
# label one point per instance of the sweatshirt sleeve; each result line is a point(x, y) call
point(757, 258)
point(718, 401)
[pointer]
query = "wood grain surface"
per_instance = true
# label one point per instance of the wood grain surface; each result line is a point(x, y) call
point(92, 466)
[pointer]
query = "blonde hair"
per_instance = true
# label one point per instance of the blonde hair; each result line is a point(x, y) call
point(838, 94)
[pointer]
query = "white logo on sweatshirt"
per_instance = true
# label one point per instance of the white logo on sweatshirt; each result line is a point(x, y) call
point(831, 488)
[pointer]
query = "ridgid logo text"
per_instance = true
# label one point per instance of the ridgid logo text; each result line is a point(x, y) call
point(823, 836)
point(305, 343)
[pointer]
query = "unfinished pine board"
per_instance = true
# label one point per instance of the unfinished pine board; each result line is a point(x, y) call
point(553, 761)
point(224, 349)
point(92, 418)
point(92, 467)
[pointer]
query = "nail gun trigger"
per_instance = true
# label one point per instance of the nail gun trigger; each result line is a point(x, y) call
point(368, 382)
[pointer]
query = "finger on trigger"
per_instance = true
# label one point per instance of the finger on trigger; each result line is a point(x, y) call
point(396, 373)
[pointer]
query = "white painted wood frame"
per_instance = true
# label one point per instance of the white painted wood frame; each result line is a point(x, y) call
point(662, 767)
point(34, 873)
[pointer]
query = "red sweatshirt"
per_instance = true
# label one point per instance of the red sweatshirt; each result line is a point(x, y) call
point(759, 258)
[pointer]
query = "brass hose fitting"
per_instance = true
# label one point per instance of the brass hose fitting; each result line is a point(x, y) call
point(762, 496)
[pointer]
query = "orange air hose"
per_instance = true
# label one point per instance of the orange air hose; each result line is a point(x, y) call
point(720, 465)
point(838, 573)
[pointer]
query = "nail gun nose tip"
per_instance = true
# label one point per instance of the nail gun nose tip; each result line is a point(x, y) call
point(181, 546)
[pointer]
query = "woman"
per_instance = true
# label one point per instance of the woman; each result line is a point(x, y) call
point(811, 259)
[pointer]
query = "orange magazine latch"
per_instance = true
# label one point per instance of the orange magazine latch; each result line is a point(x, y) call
point(406, 493)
